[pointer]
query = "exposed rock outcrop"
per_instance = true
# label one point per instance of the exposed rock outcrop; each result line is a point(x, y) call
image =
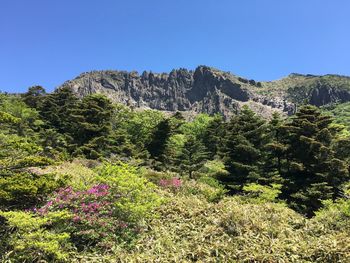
point(209, 90)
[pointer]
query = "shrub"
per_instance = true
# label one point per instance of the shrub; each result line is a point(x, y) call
point(214, 168)
point(94, 221)
point(137, 196)
point(262, 193)
point(204, 190)
point(34, 238)
point(173, 183)
point(156, 176)
point(190, 229)
point(81, 177)
point(23, 190)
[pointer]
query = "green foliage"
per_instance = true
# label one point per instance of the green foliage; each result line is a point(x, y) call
point(164, 141)
point(138, 197)
point(262, 193)
point(141, 125)
point(77, 172)
point(116, 211)
point(335, 215)
point(213, 135)
point(340, 112)
point(214, 168)
point(56, 110)
point(34, 96)
point(197, 128)
point(242, 149)
point(8, 118)
point(17, 117)
point(312, 172)
point(25, 190)
point(191, 229)
point(192, 156)
point(34, 238)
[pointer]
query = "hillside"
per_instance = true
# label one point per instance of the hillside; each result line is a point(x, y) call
point(210, 91)
point(89, 180)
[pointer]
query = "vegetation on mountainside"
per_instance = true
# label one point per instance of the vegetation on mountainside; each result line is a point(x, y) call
point(84, 180)
point(340, 112)
point(298, 88)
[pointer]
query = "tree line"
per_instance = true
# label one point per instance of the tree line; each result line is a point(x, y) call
point(306, 156)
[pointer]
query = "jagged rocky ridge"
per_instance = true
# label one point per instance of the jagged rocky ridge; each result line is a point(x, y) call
point(211, 91)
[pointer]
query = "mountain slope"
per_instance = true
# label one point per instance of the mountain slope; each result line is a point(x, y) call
point(211, 91)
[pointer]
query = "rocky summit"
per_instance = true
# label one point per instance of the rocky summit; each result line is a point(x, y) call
point(211, 91)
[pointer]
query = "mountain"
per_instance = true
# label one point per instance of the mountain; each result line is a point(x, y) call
point(210, 90)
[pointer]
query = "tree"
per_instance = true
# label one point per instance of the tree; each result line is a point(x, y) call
point(160, 146)
point(242, 149)
point(56, 110)
point(159, 139)
point(27, 119)
point(192, 157)
point(34, 96)
point(91, 122)
point(312, 172)
point(213, 135)
point(274, 151)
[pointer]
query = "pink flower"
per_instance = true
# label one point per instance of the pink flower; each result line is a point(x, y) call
point(171, 183)
point(76, 219)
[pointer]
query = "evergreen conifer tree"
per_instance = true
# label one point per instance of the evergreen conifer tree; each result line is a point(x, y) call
point(242, 149)
point(312, 172)
point(192, 157)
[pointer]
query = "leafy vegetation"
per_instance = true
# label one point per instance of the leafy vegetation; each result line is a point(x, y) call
point(84, 180)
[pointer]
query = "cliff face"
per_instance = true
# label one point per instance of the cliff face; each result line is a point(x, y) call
point(207, 90)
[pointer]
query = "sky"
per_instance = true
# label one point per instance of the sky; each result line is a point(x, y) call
point(48, 42)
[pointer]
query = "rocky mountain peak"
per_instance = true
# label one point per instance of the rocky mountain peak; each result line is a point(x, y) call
point(210, 90)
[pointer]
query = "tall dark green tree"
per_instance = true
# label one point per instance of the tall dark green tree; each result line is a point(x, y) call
point(242, 149)
point(192, 157)
point(213, 136)
point(159, 139)
point(34, 96)
point(92, 121)
point(158, 147)
point(56, 109)
point(312, 171)
point(274, 151)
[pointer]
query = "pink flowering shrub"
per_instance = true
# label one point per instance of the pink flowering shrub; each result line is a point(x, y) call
point(173, 183)
point(94, 221)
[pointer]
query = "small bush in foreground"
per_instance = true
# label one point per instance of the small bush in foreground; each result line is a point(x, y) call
point(34, 238)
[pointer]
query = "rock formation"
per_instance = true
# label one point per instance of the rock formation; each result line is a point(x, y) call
point(211, 91)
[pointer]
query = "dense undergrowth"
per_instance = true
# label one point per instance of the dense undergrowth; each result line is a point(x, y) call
point(88, 181)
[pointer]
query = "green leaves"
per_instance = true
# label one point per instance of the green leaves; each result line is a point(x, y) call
point(32, 238)
point(138, 197)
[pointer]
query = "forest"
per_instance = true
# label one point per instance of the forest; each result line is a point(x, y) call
point(87, 180)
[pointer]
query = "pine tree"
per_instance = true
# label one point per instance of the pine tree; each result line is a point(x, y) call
point(213, 135)
point(242, 149)
point(274, 151)
point(312, 172)
point(192, 157)
point(34, 96)
point(91, 122)
point(159, 147)
point(161, 134)
point(56, 110)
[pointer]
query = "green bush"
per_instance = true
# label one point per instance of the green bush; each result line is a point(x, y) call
point(155, 176)
point(79, 175)
point(190, 229)
point(34, 238)
point(25, 190)
point(137, 196)
point(262, 193)
point(208, 189)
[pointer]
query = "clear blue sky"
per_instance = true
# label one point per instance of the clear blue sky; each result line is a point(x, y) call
point(47, 42)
